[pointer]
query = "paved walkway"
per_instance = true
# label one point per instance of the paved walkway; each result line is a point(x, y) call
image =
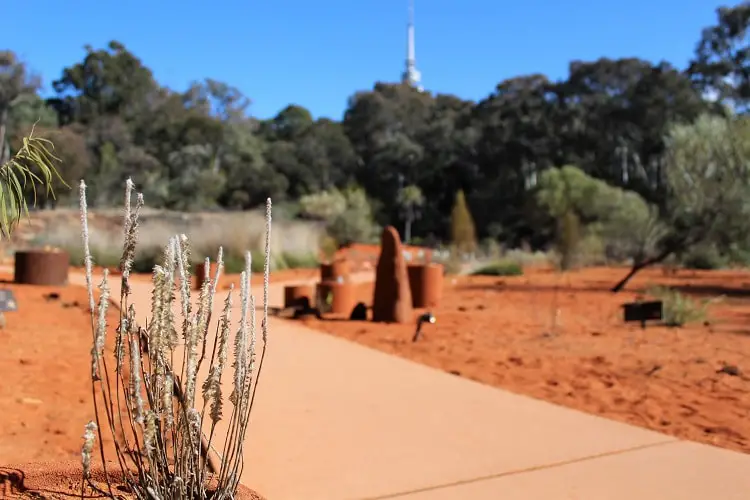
point(335, 420)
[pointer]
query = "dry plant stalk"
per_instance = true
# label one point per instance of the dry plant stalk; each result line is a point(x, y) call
point(149, 407)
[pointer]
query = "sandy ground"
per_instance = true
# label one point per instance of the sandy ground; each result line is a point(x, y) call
point(45, 372)
point(45, 369)
point(558, 338)
point(61, 480)
point(561, 338)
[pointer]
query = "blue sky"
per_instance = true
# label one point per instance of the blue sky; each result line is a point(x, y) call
point(318, 53)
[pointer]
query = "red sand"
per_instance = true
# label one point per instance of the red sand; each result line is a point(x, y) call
point(561, 338)
point(62, 480)
point(46, 393)
point(45, 372)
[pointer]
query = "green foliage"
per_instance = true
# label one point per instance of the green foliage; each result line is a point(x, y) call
point(721, 57)
point(347, 214)
point(145, 260)
point(589, 210)
point(410, 200)
point(235, 264)
point(679, 309)
point(463, 232)
point(705, 257)
point(33, 165)
point(102, 256)
point(490, 248)
point(288, 260)
point(503, 267)
point(409, 151)
point(707, 167)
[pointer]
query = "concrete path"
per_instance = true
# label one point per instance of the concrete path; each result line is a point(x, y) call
point(335, 420)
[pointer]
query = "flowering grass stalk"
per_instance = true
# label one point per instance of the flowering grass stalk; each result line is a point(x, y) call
point(148, 403)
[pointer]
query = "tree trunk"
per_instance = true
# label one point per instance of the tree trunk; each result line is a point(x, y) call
point(407, 231)
point(638, 266)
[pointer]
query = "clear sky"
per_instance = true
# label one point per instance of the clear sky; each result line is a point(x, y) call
point(318, 53)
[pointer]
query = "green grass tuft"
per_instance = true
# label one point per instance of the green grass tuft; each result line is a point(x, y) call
point(500, 268)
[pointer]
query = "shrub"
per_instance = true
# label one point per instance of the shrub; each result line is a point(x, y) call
point(590, 251)
point(235, 264)
point(626, 224)
point(102, 256)
point(298, 261)
point(504, 267)
point(490, 248)
point(706, 257)
point(526, 257)
point(146, 259)
point(679, 309)
point(347, 214)
point(162, 451)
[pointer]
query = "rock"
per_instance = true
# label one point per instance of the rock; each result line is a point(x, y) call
point(392, 298)
point(359, 313)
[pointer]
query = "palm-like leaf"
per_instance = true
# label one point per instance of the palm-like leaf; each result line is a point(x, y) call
point(32, 166)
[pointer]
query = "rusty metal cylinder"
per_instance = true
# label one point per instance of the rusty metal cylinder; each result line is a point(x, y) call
point(336, 297)
point(299, 296)
point(335, 270)
point(200, 274)
point(426, 283)
point(42, 267)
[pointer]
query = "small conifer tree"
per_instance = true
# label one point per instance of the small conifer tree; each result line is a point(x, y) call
point(463, 232)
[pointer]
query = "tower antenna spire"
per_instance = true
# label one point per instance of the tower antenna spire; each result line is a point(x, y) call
point(411, 75)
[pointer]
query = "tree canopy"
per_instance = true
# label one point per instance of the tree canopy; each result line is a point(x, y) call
point(628, 124)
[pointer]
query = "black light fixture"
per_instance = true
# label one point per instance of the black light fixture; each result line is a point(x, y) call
point(427, 317)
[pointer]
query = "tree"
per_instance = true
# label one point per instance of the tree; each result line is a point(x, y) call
point(707, 171)
point(197, 185)
point(721, 66)
point(289, 124)
point(112, 120)
point(109, 81)
point(224, 103)
point(411, 200)
point(583, 206)
point(15, 84)
point(347, 214)
point(463, 233)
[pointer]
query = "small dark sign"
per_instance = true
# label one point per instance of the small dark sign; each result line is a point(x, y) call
point(8, 301)
point(643, 311)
